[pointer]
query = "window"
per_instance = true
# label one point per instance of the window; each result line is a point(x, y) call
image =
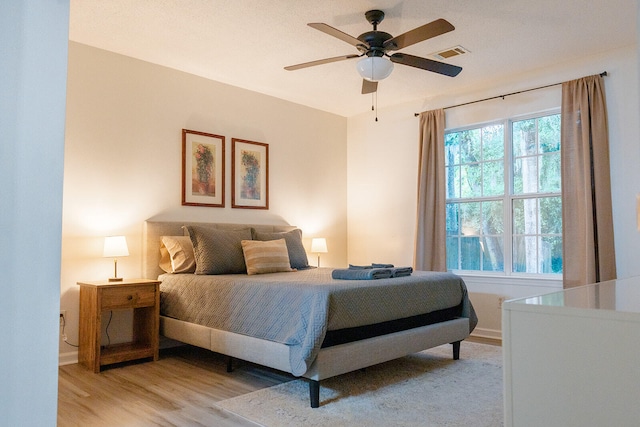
point(504, 208)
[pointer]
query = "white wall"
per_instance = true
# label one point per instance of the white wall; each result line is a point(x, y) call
point(123, 163)
point(382, 169)
point(33, 64)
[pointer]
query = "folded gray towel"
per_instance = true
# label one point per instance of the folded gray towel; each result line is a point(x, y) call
point(395, 272)
point(360, 267)
point(361, 273)
point(401, 271)
point(374, 265)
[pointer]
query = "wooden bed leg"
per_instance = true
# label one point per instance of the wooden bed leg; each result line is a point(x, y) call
point(456, 350)
point(314, 393)
point(229, 364)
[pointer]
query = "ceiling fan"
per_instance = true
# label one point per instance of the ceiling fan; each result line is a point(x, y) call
point(374, 45)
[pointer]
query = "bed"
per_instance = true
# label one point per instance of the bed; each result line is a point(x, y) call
point(303, 322)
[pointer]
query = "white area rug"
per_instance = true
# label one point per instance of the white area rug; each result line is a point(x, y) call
point(424, 389)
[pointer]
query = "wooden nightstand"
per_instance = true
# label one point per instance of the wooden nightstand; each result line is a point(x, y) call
point(141, 295)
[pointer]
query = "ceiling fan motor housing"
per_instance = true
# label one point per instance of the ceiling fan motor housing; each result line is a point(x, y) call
point(375, 40)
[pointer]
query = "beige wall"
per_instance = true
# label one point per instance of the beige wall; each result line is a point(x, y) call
point(123, 163)
point(382, 170)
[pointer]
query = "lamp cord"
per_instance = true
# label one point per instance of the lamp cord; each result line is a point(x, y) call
point(106, 329)
point(63, 322)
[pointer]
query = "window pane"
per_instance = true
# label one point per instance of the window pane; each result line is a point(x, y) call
point(470, 253)
point(453, 224)
point(453, 182)
point(517, 216)
point(550, 176)
point(453, 245)
point(525, 175)
point(551, 215)
point(492, 217)
point(493, 254)
point(493, 142)
point(470, 218)
point(549, 133)
point(451, 149)
point(471, 184)
point(469, 146)
point(493, 178)
point(525, 254)
point(524, 138)
point(551, 254)
point(525, 216)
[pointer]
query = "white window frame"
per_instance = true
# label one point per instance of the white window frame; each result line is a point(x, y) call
point(551, 279)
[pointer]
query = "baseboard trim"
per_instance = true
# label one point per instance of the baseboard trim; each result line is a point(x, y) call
point(68, 358)
point(487, 333)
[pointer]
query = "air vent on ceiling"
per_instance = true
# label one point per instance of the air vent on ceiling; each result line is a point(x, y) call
point(448, 53)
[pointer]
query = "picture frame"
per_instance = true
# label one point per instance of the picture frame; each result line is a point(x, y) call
point(249, 174)
point(203, 169)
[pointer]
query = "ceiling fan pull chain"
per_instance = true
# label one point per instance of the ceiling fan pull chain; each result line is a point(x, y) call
point(376, 99)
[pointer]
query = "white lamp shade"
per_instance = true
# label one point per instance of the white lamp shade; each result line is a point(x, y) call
point(115, 246)
point(319, 245)
point(374, 68)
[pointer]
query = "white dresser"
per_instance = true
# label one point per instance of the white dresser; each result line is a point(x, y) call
point(572, 358)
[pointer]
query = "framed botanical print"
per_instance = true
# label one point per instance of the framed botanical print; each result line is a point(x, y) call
point(249, 174)
point(202, 169)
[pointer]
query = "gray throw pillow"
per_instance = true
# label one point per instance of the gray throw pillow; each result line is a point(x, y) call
point(297, 254)
point(218, 251)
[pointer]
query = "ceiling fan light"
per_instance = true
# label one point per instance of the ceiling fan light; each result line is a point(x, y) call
point(374, 68)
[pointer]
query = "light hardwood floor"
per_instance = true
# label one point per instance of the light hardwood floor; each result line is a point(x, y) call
point(180, 389)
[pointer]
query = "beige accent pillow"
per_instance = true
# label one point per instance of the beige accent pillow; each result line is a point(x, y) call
point(176, 254)
point(266, 257)
point(293, 238)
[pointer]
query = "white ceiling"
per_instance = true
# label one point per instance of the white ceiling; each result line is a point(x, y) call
point(247, 43)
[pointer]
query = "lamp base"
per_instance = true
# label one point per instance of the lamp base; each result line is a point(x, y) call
point(115, 279)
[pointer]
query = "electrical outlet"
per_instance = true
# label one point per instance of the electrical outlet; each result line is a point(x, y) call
point(500, 301)
point(63, 316)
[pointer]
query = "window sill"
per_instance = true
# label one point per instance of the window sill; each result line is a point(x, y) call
point(541, 281)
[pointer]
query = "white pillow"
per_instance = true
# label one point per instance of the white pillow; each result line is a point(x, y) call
point(176, 254)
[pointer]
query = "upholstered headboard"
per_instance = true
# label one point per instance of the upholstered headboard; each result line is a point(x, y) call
point(154, 230)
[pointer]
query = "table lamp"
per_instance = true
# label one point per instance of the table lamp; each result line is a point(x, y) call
point(114, 247)
point(319, 246)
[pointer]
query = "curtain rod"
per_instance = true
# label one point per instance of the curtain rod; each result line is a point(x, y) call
point(602, 74)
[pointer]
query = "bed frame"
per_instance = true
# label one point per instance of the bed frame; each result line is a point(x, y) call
point(331, 361)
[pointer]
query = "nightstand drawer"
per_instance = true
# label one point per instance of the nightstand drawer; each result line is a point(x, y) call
point(128, 297)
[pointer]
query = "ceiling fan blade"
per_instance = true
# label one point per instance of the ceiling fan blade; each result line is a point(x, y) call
point(320, 62)
point(327, 29)
point(427, 31)
point(369, 87)
point(426, 64)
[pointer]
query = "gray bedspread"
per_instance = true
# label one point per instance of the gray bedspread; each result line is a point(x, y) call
point(298, 308)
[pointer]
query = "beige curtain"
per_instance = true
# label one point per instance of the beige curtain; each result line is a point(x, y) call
point(430, 253)
point(587, 224)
